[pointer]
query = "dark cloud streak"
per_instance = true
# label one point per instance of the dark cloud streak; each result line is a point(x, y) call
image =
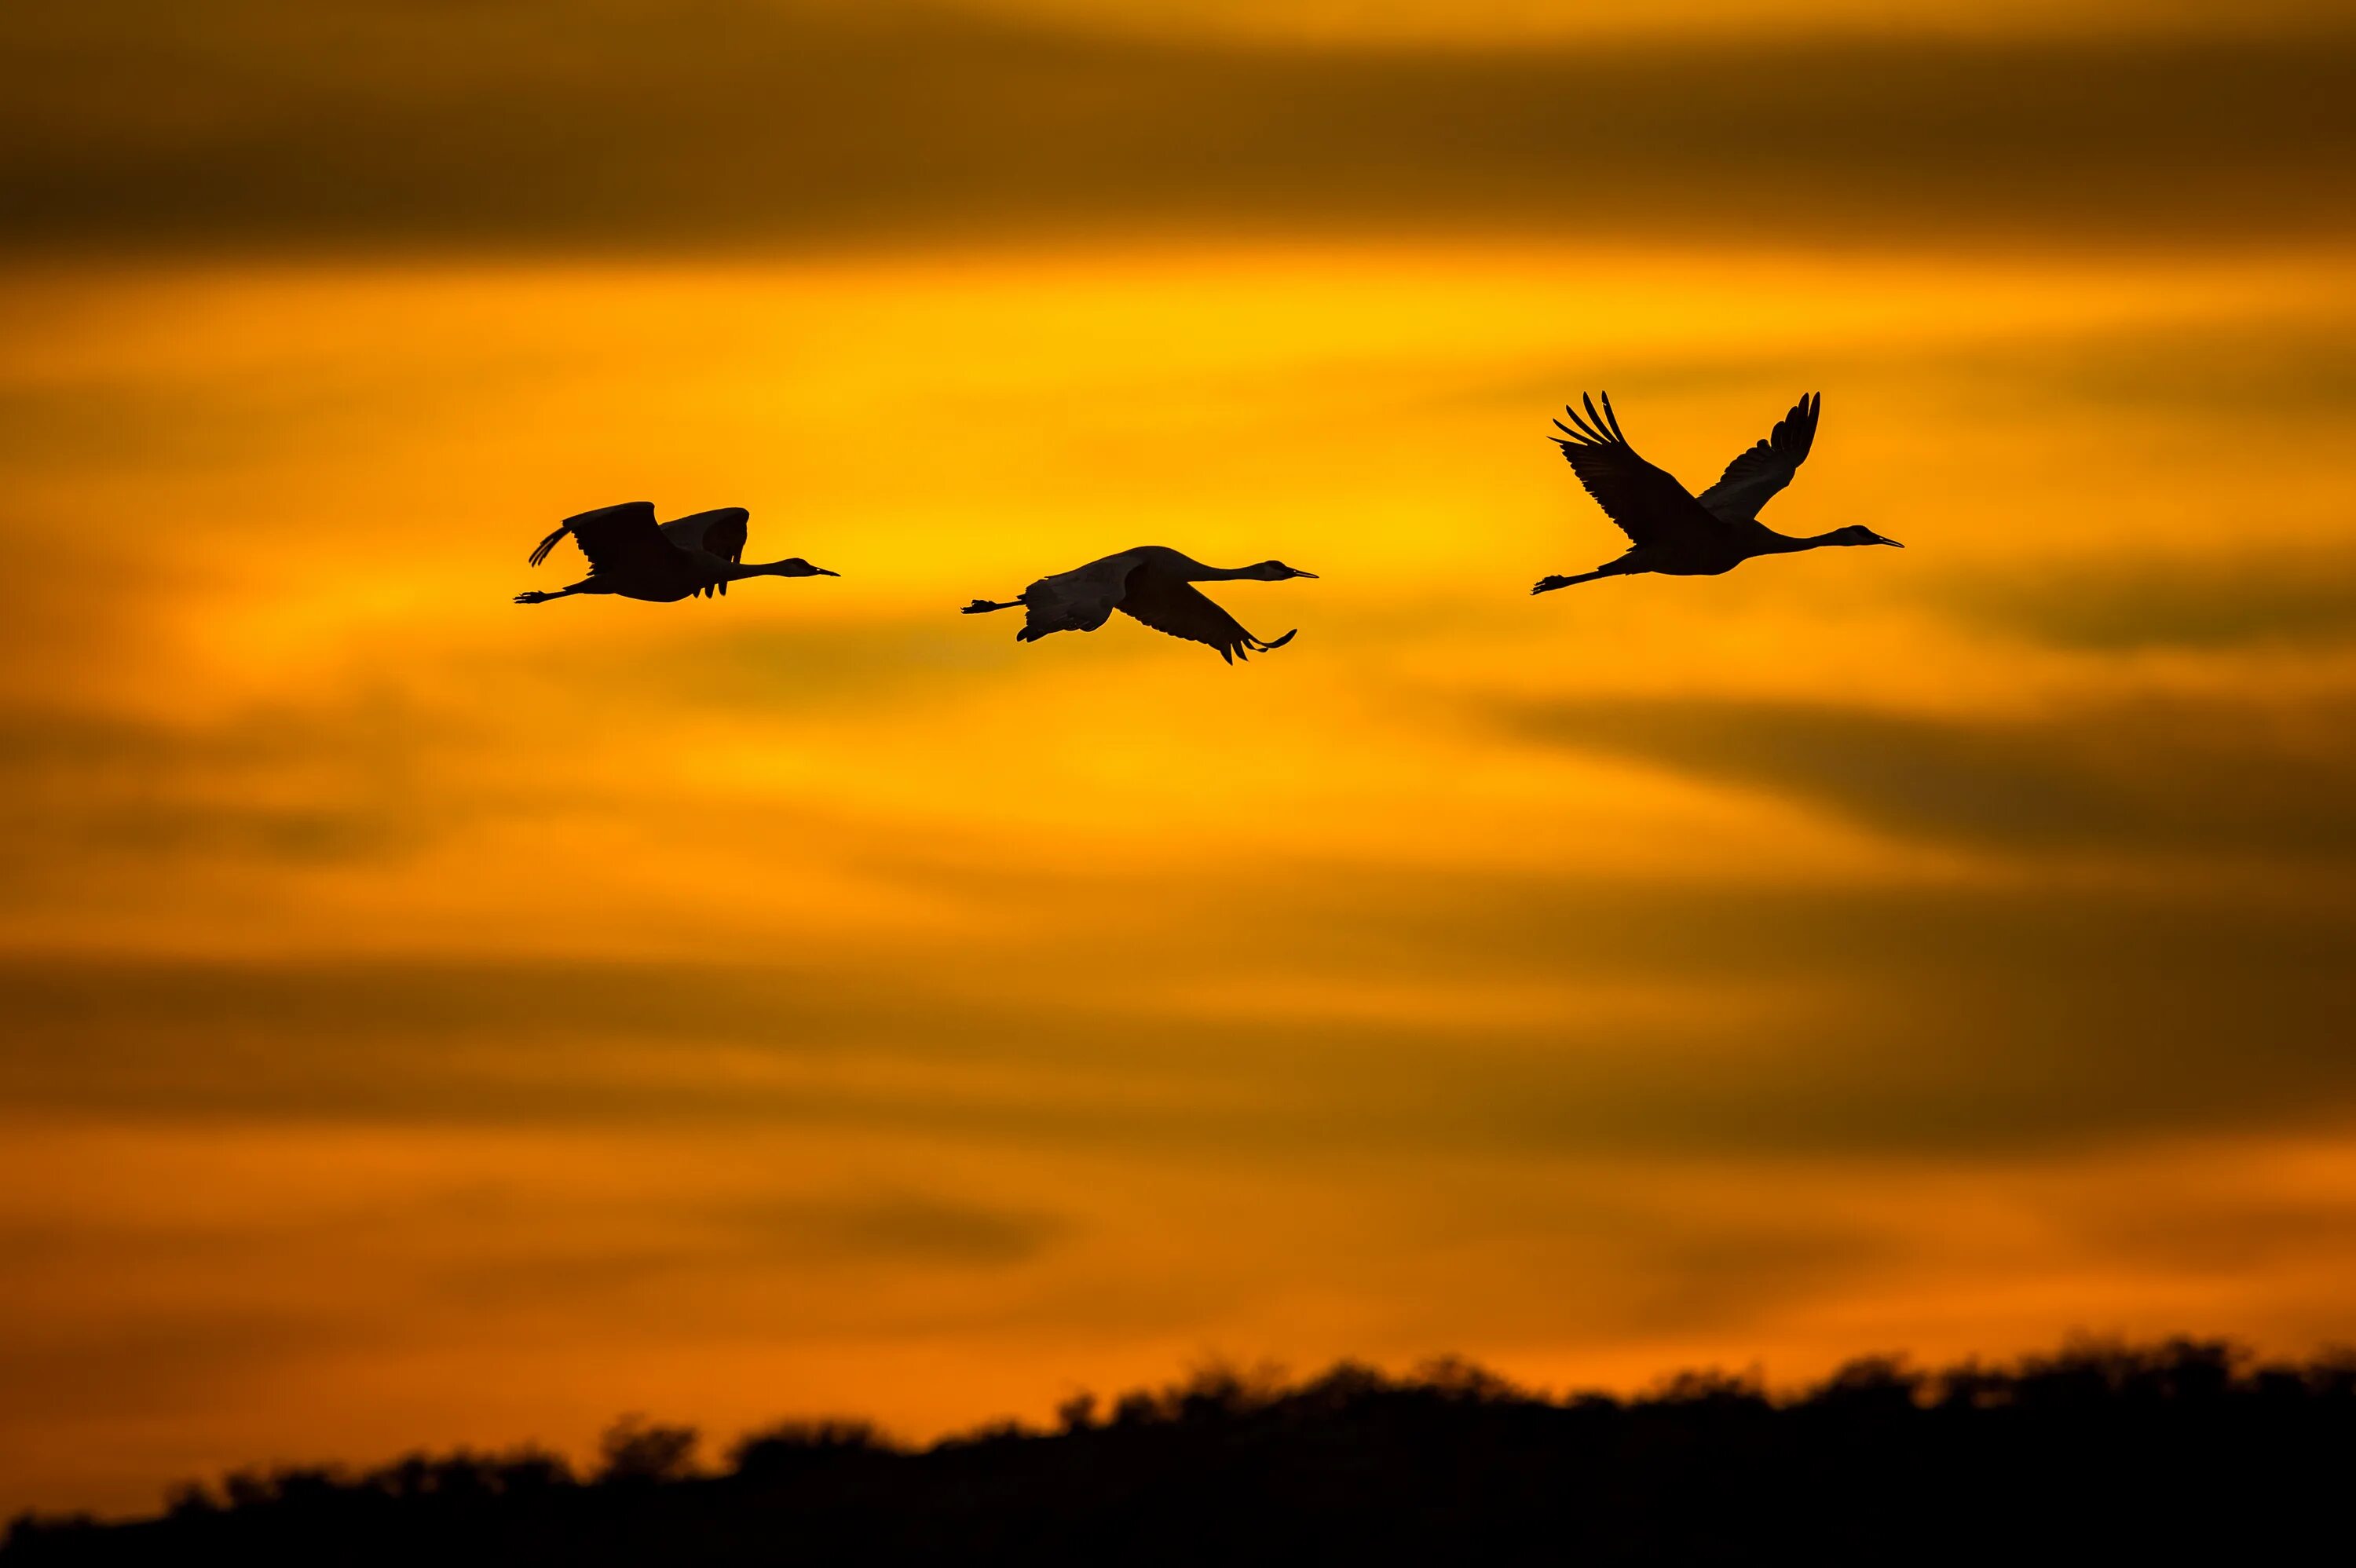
point(1941, 1019)
point(627, 127)
point(2301, 599)
point(2145, 774)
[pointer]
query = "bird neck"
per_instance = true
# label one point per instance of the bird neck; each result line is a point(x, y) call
point(1197, 572)
point(739, 570)
point(1784, 544)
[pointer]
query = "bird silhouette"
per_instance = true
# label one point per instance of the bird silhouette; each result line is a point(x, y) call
point(632, 555)
point(1151, 583)
point(1670, 530)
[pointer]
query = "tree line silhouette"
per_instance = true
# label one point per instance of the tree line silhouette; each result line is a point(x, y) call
point(2178, 1448)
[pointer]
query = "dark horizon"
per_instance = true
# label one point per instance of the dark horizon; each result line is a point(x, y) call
point(2179, 1443)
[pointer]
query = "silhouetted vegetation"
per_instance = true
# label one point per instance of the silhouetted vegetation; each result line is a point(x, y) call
point(2185, 1448)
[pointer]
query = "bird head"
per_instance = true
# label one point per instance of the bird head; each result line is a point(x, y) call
point(795, 567)
point(1858, 533)
point(1275, 571)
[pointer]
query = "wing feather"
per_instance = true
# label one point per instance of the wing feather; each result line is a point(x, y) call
point(1752, 479)
point(624, 542)
point(1649, 505)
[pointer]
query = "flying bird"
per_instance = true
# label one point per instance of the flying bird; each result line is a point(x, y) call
point(1150, 584)
point(1669, 530)
point(632, 555)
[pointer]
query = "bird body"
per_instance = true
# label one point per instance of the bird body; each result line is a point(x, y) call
point(1151, 583)
point(633, 555)
point(721, 533)
point(1675, 532)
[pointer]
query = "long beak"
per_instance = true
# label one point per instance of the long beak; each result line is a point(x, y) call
point(1892, 543)
point(1298, 572)
point(824, 572)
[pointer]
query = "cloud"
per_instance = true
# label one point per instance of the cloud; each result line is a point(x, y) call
point(636, 127)
point(903, 1227)
point(2292, 598)
point(281, 788)
point(86, 1372)
point(1932, 1018)
point(646, 1251)
point(2194, 776)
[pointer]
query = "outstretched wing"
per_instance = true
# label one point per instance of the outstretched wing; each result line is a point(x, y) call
point(1649, 505)
point(1168, 604)
point(622, 541)
point(720, 532)
point(1752, 480)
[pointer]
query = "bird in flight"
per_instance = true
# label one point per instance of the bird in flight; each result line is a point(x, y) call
point(1671, 530)
point(1150, 584)
point(632, 555)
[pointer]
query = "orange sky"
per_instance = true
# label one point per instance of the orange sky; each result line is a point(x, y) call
point(434, 1021)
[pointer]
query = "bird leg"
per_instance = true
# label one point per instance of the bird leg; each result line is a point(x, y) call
point(983, 607)
point(536, 597)
point(1548, 585)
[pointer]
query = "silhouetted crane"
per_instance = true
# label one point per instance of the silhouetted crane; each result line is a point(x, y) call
point(1669, 528)
point(1153, 584)
point(632, 555)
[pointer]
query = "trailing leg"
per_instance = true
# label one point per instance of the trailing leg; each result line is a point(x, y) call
point(1548, 585)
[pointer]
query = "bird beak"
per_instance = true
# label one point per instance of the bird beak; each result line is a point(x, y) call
point(1298, 572)
point(822, 572)
point(1892, 543)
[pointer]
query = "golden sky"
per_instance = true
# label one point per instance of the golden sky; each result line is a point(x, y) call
point(434, 1020)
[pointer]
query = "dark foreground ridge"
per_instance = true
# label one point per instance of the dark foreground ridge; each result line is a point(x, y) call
point(2098, 1452)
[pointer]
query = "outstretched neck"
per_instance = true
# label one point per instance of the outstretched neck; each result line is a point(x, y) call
point(1784, 544)
point(1186, 569)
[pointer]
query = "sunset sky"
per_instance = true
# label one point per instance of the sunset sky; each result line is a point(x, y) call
point(431, 1020)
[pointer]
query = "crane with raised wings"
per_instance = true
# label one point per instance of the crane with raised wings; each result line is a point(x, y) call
point(1670, 530)
point(632, 555)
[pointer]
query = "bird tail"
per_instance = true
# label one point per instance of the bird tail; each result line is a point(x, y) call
point(983, 607)
point(541, 553)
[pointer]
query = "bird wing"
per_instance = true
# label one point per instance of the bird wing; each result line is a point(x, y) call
point(623, 541)
point(720, 532)
point(1079, 600)
point(1648, 502)
point(1752, 480)
point(1170, 605)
